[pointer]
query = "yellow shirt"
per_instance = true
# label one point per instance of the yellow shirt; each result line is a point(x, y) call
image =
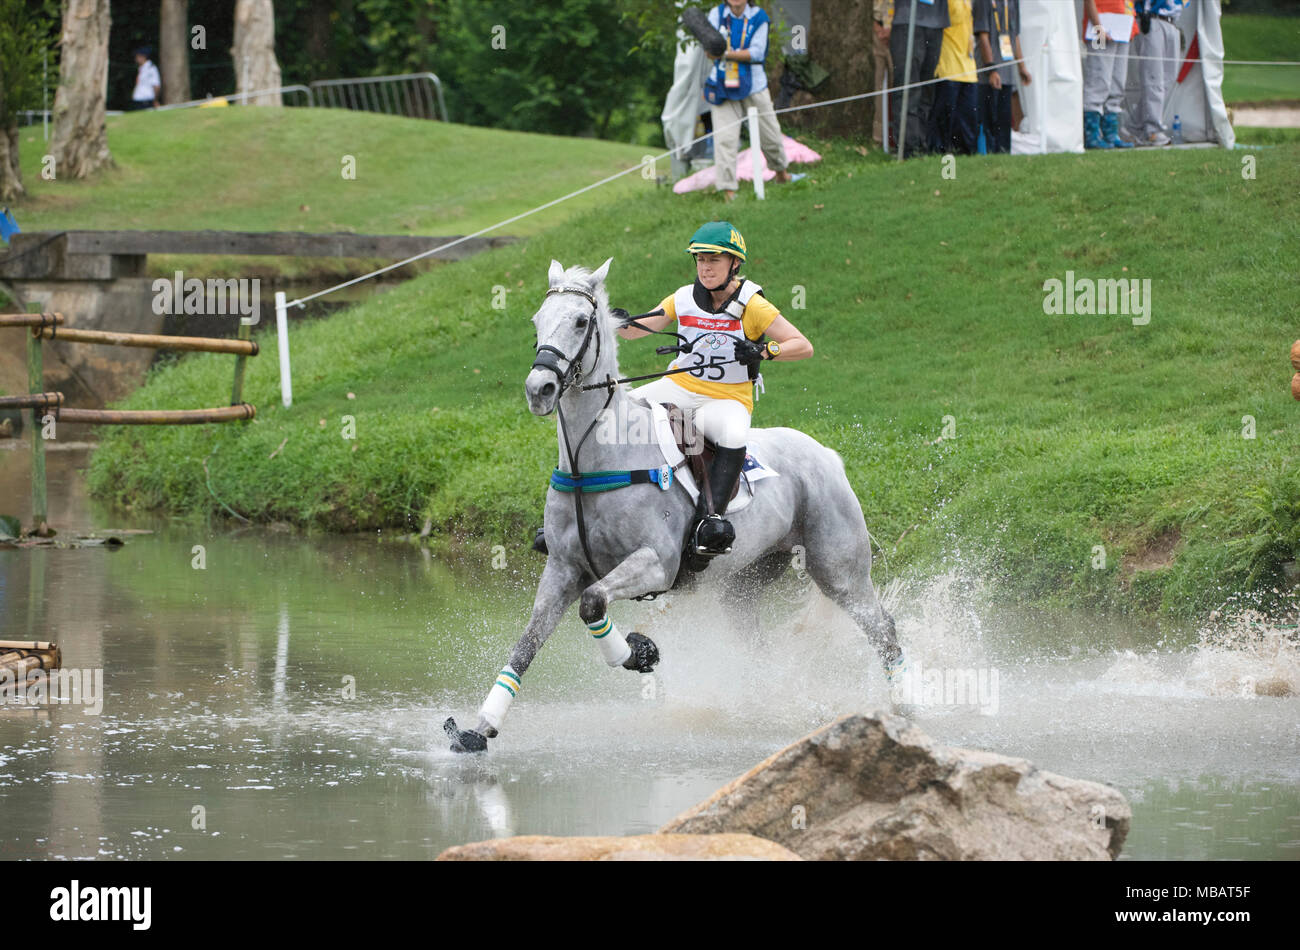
point(758, 316)
point(957, 54)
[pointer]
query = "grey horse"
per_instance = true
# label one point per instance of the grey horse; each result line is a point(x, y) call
point(636, 534)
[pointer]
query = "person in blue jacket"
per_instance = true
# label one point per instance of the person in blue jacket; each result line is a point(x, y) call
point(737, 81)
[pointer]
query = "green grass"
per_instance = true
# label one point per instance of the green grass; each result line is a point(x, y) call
point(924, 300)
point(251, 169)
point(1250, 36)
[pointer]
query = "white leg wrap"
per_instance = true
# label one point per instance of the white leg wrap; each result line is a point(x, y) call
point(613, 645)
point(499, 697)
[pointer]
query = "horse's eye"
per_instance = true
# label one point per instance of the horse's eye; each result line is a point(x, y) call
point(582, 323)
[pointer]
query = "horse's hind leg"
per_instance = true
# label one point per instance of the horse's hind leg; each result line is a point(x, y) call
point(641, 572)
point(843, 573)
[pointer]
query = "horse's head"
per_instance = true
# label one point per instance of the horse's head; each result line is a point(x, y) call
point(573, 334)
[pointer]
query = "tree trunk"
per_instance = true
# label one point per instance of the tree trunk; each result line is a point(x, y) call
point(174, 50)
point(254, 51)
point(11, 176)
point(79, 143)
point(839, 39)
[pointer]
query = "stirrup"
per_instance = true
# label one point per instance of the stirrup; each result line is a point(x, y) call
point(704, 550)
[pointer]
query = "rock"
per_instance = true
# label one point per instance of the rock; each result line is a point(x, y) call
point(692, 847)
point(872, 787)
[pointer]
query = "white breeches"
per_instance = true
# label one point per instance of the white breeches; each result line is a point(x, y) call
point(723, 421)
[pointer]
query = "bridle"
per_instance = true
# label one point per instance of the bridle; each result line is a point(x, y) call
point(548, 356)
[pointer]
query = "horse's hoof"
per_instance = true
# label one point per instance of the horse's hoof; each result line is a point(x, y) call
point(644, 653)
point(464, 740)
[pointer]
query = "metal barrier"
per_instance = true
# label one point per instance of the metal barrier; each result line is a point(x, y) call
point(414, 95)
point(236, 97)
point(49, 326)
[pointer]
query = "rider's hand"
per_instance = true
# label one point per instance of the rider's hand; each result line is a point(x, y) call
point(748, 352)
point(622, 316)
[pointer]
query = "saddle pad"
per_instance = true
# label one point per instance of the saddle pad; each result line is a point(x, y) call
point(754, 469)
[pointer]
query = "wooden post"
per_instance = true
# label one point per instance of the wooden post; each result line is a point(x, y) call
point(237, 392)
point(36, 384)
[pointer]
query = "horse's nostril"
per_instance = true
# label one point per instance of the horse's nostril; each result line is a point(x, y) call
point(548, 390)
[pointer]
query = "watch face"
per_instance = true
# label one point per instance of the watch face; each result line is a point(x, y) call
point(774, 347)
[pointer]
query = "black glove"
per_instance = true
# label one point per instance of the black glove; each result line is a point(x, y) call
point(748, 352)
point(622, 316)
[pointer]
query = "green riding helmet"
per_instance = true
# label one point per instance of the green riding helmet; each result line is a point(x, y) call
point(718, 237)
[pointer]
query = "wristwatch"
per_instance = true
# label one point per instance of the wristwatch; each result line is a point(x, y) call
point(773, 350)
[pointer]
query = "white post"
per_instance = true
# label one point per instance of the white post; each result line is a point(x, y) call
point(1040, 98)
point(755, 153)
point(282, 337)
point(884, 116)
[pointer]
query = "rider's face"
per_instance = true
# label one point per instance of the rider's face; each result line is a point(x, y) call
point(712, 269)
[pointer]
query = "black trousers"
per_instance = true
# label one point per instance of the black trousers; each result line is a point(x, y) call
point(920, 102)
point(995, 117)
point(955, 124)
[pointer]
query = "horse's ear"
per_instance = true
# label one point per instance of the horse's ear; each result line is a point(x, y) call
point(601, 272)
point(556, 271)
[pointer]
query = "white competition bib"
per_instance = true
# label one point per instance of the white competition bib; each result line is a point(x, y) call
point(712, 336)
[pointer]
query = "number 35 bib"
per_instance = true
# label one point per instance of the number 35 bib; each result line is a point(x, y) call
point(713, 336)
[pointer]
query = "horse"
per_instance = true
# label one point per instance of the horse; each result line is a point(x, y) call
point(611, 545)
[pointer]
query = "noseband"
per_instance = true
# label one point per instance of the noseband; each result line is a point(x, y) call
point(548, 356)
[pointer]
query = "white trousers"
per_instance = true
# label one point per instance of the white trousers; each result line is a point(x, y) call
point(728, 117)
point(1159, 75)
point(724, 421)
point(1105, 73)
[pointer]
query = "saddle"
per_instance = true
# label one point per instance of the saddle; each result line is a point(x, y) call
point(699, 455)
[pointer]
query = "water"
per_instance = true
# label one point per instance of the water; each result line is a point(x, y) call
point(228, 730)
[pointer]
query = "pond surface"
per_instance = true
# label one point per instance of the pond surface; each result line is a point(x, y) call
point(284, 698)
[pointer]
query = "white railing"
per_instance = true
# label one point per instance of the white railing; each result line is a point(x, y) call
point(415, 95)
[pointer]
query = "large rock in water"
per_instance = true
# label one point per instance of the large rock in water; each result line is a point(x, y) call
point(871, 787)
point(724, 847)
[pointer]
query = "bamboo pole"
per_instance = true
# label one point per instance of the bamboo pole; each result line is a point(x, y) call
point(36, 384)
point(155, 341)
point(32, 401)
point(237, 391)
point(30, 319)
point(157, 417)
point(26, 645)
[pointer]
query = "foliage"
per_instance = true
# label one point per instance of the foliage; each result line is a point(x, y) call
point(27, 27)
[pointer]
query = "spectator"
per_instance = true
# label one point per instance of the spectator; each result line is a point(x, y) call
point(883, 14)
point(1105, 70)
point(956, 99)
point(1156, 47)
point(997, 28)
point(931, 20)
point(147, 82)
point(736, 82)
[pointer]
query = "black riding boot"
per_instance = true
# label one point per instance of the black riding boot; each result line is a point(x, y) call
point(713, 535)
point(539, 542)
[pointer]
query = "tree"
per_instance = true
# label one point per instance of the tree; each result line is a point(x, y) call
point(174, 50)
point(24, 36)
point(80, 140)
point(256, 67)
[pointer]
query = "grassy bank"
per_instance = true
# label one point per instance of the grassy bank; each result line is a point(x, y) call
point(250, 169)
point(1253, 36)
point(924, 298)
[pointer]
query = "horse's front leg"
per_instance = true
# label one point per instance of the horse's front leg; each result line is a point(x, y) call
point(640, 573)
point(559, 587)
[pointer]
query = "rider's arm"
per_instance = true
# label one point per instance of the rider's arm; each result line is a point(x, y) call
point(794, 345)
point(653, 323)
